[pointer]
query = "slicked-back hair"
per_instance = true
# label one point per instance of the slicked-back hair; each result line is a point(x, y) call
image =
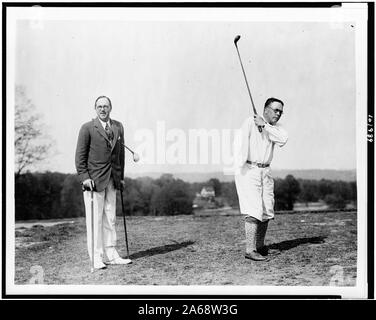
point(271, 100)
point(100, 97)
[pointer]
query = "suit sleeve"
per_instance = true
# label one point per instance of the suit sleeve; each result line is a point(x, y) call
point(82, 153)
point(122, 152)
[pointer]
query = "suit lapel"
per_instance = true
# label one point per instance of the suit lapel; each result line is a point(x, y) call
point(100, 129)
point(115, 130)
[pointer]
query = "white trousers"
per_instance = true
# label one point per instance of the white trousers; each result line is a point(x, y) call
point(255, 188)
point(104, 223)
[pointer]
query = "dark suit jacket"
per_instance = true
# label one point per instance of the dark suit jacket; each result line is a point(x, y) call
point(96, 158)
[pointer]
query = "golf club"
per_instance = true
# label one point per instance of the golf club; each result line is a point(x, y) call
point(91, 189)
point(136, 157)
point(125, 224)
point(237, 38)
point(92, 229)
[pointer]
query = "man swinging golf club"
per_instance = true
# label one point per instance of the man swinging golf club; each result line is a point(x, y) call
point(100, 166)
point(254, 148)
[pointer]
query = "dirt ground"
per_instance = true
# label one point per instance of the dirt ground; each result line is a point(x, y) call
point(197, 250)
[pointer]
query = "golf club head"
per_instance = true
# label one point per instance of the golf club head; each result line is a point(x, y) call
point(136, 157)
point(237, 38)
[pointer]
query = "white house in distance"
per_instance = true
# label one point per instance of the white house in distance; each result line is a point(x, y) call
point(207, 192)
point(205, 199)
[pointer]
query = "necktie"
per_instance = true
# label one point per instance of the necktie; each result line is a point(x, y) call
point(110, 134)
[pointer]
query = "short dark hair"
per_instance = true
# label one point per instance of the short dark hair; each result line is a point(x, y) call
point(271, 100)
point(100, 97)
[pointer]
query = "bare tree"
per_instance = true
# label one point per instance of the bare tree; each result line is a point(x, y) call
point(31, 142)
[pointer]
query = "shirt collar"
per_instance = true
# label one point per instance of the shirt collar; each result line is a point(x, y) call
point(104, 123)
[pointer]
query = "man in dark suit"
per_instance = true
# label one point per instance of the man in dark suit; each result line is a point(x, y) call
point(100, 166)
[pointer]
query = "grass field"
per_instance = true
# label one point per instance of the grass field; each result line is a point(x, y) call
point(197, 250)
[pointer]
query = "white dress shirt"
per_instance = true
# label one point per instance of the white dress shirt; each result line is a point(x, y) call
point(254, 146)
point(104, 123)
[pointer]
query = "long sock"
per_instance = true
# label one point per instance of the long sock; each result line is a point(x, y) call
point(261, 232)
point(251, 226)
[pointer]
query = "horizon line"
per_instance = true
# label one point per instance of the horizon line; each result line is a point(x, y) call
point(191, 172)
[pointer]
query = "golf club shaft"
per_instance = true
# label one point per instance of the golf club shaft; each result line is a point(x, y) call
point(246, 82)
point(92, 230)
point(125, 224)
point(129, 149)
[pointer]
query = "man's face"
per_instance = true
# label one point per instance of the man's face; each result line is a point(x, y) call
point(103, 109)
point(273, 112)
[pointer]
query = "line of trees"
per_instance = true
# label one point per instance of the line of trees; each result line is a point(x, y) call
point(336, 194)
point(56, 195)
point(52, 195)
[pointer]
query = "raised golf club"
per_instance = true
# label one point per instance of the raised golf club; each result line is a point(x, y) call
point(237, 38)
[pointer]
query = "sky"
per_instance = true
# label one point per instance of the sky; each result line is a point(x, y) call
point(186, 75)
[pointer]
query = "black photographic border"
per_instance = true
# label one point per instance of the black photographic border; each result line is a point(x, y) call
point(171, 298)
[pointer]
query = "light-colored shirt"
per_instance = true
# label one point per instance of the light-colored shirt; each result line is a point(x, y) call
point(104, 123)
point(254, 146)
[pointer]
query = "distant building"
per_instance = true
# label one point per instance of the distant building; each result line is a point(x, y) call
point(207, 192)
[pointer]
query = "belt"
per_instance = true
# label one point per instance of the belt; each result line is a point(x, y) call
point(260, 165)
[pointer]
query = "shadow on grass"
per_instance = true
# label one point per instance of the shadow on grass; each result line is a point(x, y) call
point(161, 250)
point(289, 244)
